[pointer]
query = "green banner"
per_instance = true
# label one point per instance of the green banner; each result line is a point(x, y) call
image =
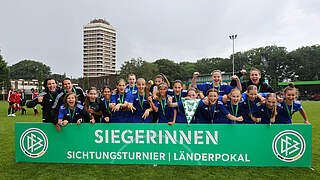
point(179, 144)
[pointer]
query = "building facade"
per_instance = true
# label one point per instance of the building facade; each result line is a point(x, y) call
point(99, 49)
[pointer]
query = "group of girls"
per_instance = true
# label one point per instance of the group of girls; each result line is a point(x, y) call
point(17, 101)
point(147, 102)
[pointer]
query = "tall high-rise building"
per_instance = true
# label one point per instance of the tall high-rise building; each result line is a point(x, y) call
point(99, 48)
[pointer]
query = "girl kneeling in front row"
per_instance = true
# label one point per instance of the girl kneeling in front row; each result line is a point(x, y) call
point(71, 111)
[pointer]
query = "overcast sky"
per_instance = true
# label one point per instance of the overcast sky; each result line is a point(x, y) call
point(51, 31)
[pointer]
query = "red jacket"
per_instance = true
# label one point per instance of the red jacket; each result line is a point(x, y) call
point(11, 96)
point(17, 98)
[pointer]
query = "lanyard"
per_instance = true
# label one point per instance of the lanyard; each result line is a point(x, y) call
point(175, 97)
point(290, 114)
point(218, 87)
point(163, 105)
point(107, 106)
point(121, 100)
point(213, 113)
point(132, 88)
point(141, 103)
point(235, 114)
point(72, 89)
point(250, 112)
point(259, 88)
point(51, 96)
point(73, 112)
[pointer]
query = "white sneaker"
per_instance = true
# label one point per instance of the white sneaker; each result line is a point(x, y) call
point(13, 115)
point(9, 114)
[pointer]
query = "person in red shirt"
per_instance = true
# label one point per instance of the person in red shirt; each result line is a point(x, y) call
point(11, 101)
point(17, 96)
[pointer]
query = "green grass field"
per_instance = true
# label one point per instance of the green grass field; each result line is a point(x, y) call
point(9, 169)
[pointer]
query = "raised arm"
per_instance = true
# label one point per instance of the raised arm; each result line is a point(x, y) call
point(194, 80)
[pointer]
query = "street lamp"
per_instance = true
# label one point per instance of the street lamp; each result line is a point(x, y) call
point(233, 37)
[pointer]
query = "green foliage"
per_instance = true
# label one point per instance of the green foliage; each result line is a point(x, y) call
point(86, 83)
point(4, 73)
point(171, 69)
point(305, 62)
point(40, 80)
point(29, 69)
point(276, 65)
point(58, 77)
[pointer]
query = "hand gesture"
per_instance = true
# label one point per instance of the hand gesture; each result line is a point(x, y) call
point(40, 99)
point(196, 74)
point(243, 71)
point(79, 121)
point(64, 122)
point(107, 119)
point(146, 114)
point(170, 123)
point(92, 121)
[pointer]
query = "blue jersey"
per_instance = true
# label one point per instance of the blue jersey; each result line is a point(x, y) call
point(72, 116)
point(264, 113)
point(132, 90)
point(223, 88)
point(250, 107)
point(286, 111)
point(235, 110)
point(181, 117)
point(211, 114)
point(165, 113)
point(141, 104)
point(121, 116)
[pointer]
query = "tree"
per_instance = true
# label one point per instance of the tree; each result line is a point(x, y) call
point(86, 83)
point(4, 73)
point(131, 67)
point(305, 62)
point(28, 70)
point(171, 69)
point(40, 80)
point(58, 77)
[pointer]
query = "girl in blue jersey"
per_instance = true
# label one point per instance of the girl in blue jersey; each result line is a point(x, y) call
point(177, 92)
point(223, 88)
point(191, 94)
point(141, 104)
point(71, 111)
point(165, 113)
point(289, 106)
point(210, 109)
point(131, 87)
point(234, 107)
point(93, 105)
point(268, 111)
point(121, 103)
point(106, 113)
point(251, 100)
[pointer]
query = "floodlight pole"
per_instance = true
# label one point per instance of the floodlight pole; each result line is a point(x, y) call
point(233, 37)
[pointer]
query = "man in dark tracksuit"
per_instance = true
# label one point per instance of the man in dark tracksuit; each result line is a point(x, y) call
point(67, 87)
point(46, 99)
point(255, 79)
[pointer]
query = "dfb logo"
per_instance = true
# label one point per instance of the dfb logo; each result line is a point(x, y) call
point(288, 146)
point(33, 142)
